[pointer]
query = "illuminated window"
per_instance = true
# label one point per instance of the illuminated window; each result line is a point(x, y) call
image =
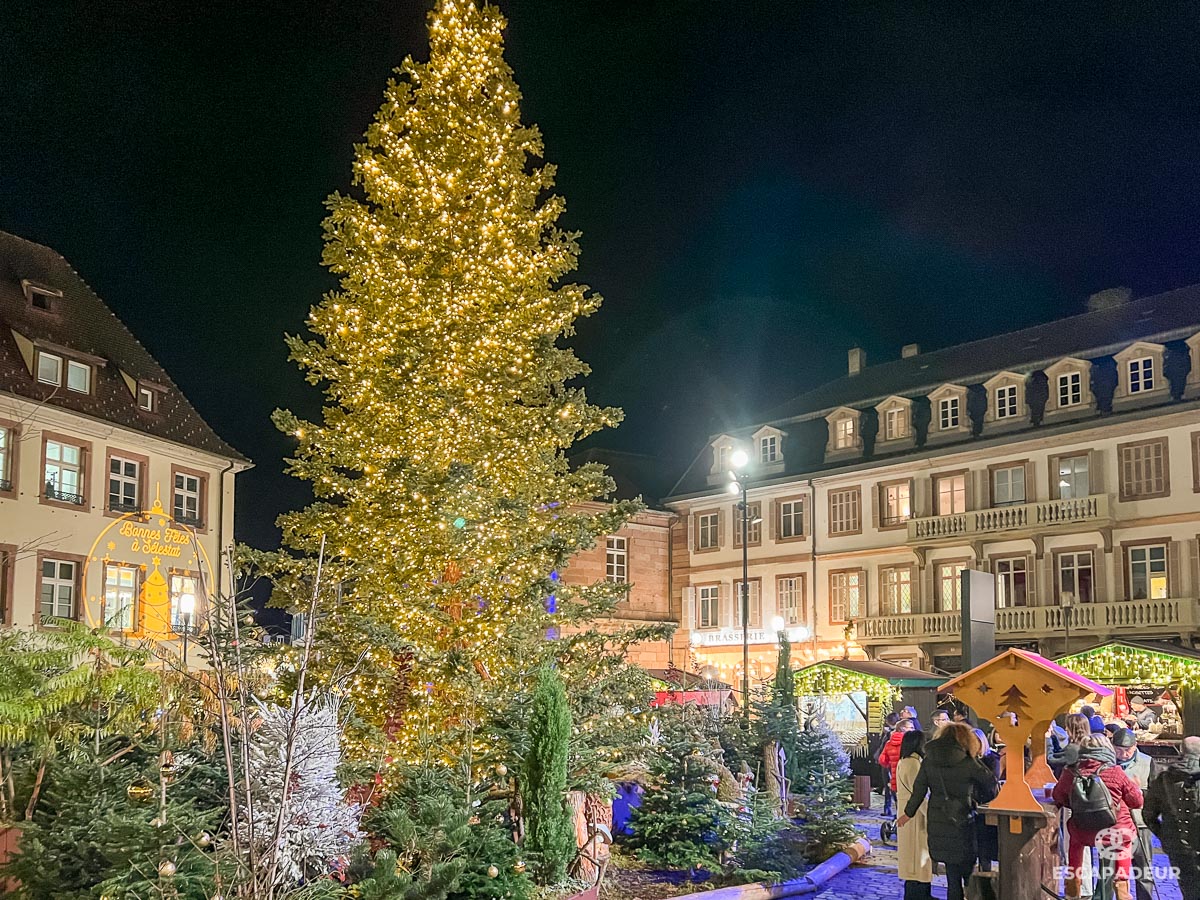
point(709, 601)
point(844, 431)
point(120, 596)
point(791, 599)
point(950, 492)
point(63, 472)
point(1148, 573)
point(183, 585)
point(897, 591)
point(1075, 576)
point(949, 586)
point(895, 503)
point(895, 424)
point(616, 560)
point(1073, 479)
point(845, 596)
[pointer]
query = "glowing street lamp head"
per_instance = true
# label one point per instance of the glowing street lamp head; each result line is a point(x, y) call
point(734, 487)
point(777, 623)
point(739, 459)
point(187, 604)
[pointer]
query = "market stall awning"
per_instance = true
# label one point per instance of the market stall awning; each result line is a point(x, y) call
point(677, 679)
point(877, 679)
point(1136, 662)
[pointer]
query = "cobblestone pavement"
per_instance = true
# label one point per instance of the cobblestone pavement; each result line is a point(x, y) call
point(875, 877)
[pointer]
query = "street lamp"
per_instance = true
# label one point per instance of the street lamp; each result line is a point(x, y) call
point(739, 483)
point(187, 606)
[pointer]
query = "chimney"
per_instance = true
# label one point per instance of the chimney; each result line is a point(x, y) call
point(1110, 298)
point(910, 350)
point(858, 360)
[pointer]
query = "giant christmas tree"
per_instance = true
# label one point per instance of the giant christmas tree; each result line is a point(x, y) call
point(444, 497)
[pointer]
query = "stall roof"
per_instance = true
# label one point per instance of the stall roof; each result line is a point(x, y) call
point(1186, 660)
point(899, 676)
point(681, 680)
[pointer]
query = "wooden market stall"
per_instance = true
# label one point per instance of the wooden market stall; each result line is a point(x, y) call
point(1164, 677)
point(884, 686)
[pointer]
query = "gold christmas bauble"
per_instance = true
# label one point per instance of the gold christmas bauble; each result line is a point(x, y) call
point(166, 868)
point(248, 620)
point(140, 790)
point(502, 770)
point(493, 872)
point(519, 866)
point(169, 771)
point(204, 839)
point(158, 822)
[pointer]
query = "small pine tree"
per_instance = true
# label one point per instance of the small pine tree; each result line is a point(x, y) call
point(319, 828)
point(680, 822)
point(777, 718)
point(550, 832)
point(823, 786)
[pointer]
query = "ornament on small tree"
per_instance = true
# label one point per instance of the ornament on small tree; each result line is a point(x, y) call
point(204, 839)
point(166, 869)
point(493, 872)
point(140, 790)
point(519, 866)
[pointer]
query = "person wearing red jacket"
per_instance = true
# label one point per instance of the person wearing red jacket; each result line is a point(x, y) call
point(1096, 756)
point(889, 756)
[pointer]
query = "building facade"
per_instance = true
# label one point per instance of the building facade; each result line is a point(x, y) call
point(1064, 459)
point(116, 498)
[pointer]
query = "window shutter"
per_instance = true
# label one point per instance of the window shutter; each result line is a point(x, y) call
point(1031, 491)
point(1096, 472)
point(773, 506)
point(876, 494)
point(720, 528)
point(689, 608)
point(1052, 477)
point(1031, 580)
point(970, 488)
point(1194, 569)
point(1174, 582)
point(691, 532)
point(806, 514)
point(1100, 588)
point(730, 613)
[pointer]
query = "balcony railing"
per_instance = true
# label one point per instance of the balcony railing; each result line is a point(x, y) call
point(1144, 616)
point(53, 493)
point(5, 484)
point(1044, 516)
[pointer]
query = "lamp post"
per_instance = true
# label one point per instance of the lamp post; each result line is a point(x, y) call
point(739, 483)
point(187, 607)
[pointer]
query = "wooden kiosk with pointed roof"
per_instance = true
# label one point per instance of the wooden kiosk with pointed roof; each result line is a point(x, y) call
point(1021, 693)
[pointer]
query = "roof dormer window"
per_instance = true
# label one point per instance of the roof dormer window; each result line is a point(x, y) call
point(1140, 372)
point(49, 368)
point(41, 297)
point(1068, 384)
point(1006, 400)
point(895, 421)
point(768, 448)
point(145, 399)
point(844, 434)
point(79, 377)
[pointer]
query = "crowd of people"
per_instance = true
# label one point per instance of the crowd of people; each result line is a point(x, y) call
point(1107, 797)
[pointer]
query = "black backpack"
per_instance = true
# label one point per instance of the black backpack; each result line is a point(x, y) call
point(1092, 805)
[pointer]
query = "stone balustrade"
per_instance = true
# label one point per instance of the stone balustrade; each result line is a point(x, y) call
point(1046, 515)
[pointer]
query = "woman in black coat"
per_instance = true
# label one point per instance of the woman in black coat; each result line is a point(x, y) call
point(955, 781)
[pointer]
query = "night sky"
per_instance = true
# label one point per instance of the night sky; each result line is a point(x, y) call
point(759, 185)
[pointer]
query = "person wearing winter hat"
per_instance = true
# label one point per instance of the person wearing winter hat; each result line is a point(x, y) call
point(1137, 766)
point(1173, 814)
point(1097, 725)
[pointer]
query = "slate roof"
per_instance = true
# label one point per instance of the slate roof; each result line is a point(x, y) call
point(1166, 318)
point(80, 322)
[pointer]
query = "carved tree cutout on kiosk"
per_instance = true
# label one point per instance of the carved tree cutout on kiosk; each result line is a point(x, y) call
point(1021, 693)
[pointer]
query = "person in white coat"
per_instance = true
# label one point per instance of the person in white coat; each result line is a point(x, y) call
point(912, 842)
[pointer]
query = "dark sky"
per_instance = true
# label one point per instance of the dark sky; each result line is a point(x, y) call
point(760, 185)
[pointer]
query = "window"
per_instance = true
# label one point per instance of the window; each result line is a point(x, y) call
point(895, 503)
point(845, 596)
point(1011, 582)
point(895, 424)
point(1006, 401)
point(1141, 375)
point(64, 472)
point(948, 413)
point(6, 450)
point(179, 586)
point(49, 368)
point(950, 492)
point(722, 459)
point(1075, 576)
point(753, 526)
point(39, 299)
point(707, 531)
point(616, 559)
point(791, 518)
point(949, 586)
point(1148, 572)
point(124, 483)
point(1073, 480)
point(145, 399)
point(58, 589)
point(120, 596)
point(791, 599)
point(755, 598)
point(1144, 469)
point(1008, 486)
point(897, 591)
point(1070, 389)
point(844, 513)
point(843, 434)
point(79, 377)
point(187, 498)
point(710, 606)
point(768, 449)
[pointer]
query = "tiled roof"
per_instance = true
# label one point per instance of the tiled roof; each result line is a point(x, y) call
point(1169, 316)
point(80, 322)
point(1162, 318)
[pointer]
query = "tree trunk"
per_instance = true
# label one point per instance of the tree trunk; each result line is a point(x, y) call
point(37, 790)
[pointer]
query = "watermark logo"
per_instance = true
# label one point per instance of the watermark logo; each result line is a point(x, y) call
point(1115, 842)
